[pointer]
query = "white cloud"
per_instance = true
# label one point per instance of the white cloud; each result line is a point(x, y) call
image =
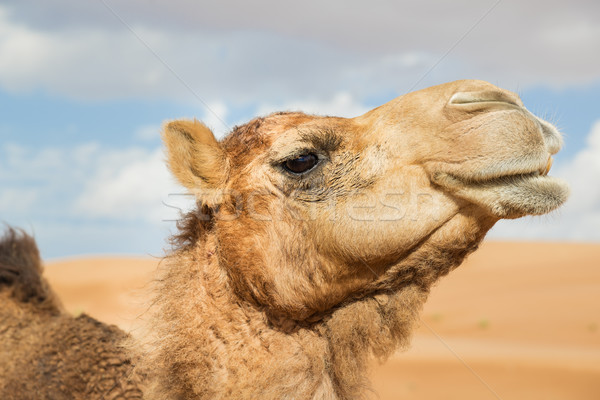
point(18, 200)
point(292, 52)
point(582, 212)
point(148, 133)
point(583, 34)
point(127, 185)
point(340, 105)
point(87, 183)
point(90, 199)
point(579, 218)
point(215, 117)
point(79, 63)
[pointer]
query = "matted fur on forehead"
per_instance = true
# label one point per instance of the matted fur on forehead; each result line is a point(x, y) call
point(258, 134)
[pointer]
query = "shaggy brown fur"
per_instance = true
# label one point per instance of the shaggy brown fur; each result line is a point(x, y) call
point(46, 353)
point(220, 346)
point(283, 284)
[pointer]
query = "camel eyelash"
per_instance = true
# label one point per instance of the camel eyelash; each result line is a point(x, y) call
point(328, 141)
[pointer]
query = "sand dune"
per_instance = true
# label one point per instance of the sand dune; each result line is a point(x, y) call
point(516, 321)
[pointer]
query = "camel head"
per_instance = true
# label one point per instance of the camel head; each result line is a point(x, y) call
point(309, 212)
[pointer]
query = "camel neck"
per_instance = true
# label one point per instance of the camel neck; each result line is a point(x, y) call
point(210, 344)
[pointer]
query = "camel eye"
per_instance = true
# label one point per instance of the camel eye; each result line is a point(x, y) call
point(301, 164)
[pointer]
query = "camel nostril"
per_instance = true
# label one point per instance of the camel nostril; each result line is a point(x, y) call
point(485, 97)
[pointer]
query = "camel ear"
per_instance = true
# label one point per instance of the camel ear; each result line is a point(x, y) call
point(194, 156)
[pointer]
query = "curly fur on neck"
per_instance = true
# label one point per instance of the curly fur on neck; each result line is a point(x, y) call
point(209, 343)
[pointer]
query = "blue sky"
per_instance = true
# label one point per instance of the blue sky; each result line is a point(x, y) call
point(85, 86)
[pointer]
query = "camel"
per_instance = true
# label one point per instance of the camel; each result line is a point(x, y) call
point(45, 353)
point(316, 240)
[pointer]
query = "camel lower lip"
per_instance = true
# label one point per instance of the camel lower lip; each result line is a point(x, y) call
point(510, 196)
point(509, 180)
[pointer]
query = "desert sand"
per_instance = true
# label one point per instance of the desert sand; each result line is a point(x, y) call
point(515, 321)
